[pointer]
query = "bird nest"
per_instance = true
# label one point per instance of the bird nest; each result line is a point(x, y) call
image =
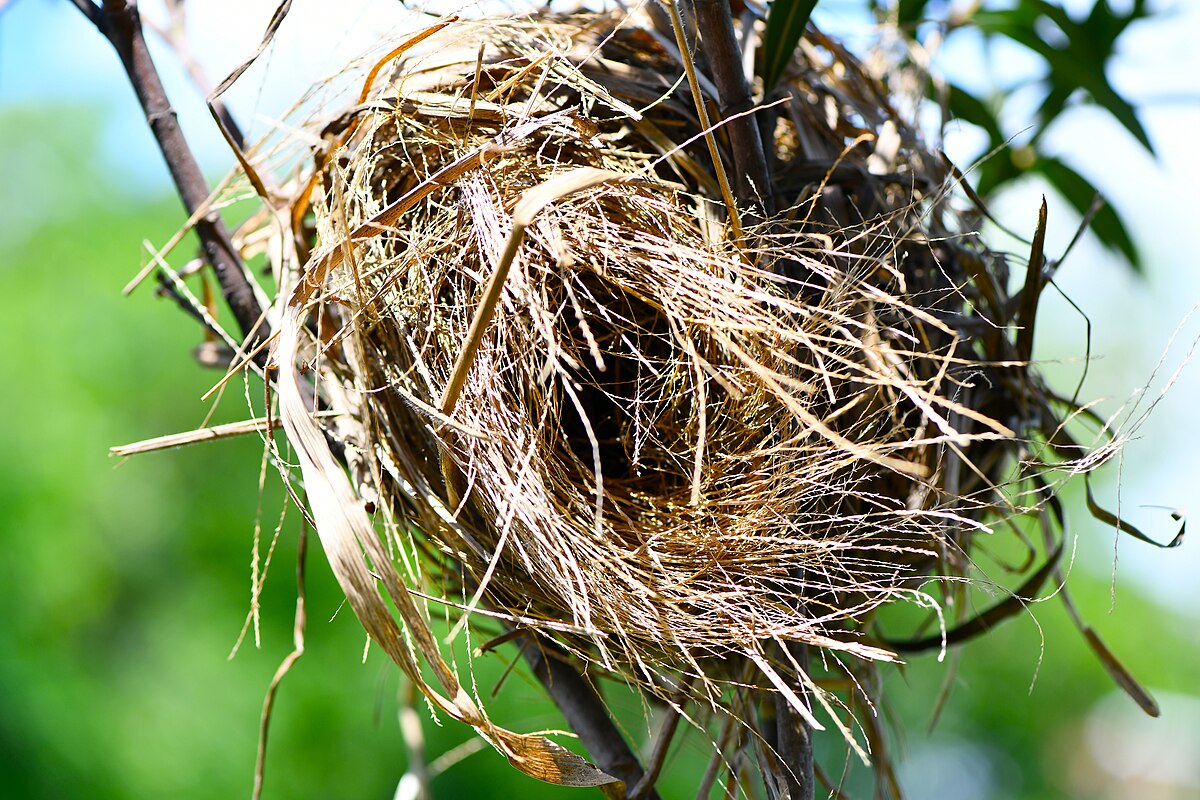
point(568, 388)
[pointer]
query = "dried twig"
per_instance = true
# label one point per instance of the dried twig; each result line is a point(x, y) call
point(666, 734)
point(175, 35)
point(120, 23)
point(587, 715)
point(710, 139)
point(301, 621)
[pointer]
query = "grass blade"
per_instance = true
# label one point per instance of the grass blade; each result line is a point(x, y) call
point(786, 21)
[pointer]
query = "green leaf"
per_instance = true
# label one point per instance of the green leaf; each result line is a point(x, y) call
point(1080, 193)
point(969, 108)
point(786, 21)
point(993, 173)
point(1103, 26)
point(1052, 106)
point(1066, 71)
point(910, 12)
point(1080, 65)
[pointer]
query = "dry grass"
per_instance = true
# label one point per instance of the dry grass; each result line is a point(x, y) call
point(571, 397)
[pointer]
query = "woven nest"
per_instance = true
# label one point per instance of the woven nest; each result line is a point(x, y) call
point(576, 392)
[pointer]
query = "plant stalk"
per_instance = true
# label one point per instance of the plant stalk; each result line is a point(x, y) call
point(724, 56)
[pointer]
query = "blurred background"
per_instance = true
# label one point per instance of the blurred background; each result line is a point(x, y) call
point(125, 584)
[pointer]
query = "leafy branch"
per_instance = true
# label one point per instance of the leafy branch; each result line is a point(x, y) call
point(1077, 52)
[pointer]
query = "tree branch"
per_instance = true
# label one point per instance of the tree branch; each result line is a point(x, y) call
point(793, 740)
point(659, 756)
point(753, 177)
point(586, 714)
point(93, 13)
point(120, 23)
point(795, 748)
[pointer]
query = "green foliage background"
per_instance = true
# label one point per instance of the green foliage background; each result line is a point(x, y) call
point(125, 584)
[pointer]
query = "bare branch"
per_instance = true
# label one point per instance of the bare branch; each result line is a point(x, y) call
point(93, 13)
point(724, 55)
point(585, 712)
point(793, 736)
point(659, 756)
point(121, 25)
